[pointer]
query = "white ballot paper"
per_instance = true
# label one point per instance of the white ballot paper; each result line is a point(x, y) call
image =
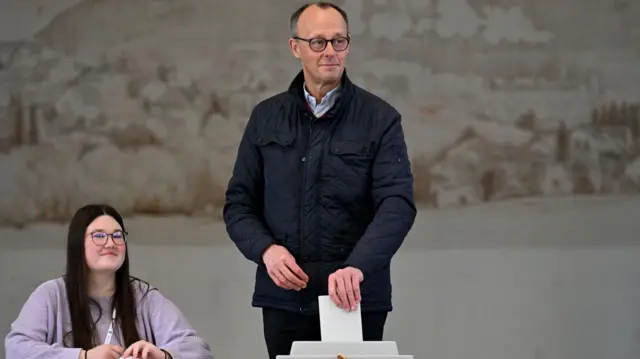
point(338, 325)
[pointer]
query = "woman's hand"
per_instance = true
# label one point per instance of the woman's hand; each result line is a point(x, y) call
point(105, 351)
point(143, 350)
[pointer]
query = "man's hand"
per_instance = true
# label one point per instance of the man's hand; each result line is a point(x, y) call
point(283, 270)
point(105, 351)
point(144, 350)
point(344, 287)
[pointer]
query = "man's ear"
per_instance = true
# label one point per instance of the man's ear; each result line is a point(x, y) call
point(295, 49)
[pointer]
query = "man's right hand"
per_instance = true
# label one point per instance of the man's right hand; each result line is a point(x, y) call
point(283, 270)
point(105, 351)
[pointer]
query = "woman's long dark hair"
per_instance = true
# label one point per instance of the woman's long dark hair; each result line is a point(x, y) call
point(83, 327)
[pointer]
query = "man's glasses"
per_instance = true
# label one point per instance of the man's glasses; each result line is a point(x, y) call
point(318, 44)
point(100, 238)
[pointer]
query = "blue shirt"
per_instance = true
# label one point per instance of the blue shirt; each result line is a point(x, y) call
point(325, 104)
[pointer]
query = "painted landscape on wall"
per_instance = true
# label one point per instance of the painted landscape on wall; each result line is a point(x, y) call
point(144, 110)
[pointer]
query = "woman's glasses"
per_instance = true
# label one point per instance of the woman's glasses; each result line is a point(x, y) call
point(100, 238)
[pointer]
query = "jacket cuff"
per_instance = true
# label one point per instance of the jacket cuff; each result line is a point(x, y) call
point(259, 249)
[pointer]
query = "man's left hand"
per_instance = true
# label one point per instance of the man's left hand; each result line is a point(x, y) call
point(344, 287)
point(144, 350)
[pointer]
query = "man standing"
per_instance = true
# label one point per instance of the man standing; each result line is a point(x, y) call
point(321, 195)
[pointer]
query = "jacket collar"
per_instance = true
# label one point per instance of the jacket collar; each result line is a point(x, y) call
point(296, 90)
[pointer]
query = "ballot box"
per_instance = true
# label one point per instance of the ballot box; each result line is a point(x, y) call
point(344, 350)
point(341, 338)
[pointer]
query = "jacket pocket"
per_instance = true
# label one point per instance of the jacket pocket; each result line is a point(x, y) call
point(278, 157)
point(352, 150)
point(279, 139)
point(351, 163)
point(332, 251)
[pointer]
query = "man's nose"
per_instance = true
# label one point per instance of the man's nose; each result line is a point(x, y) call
point(329, 51)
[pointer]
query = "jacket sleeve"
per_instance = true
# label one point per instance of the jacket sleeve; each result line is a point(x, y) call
point(244, 196)
point(29, 333)
point(392, 190)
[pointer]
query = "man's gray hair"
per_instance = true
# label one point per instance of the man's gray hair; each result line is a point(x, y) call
point(293, 21)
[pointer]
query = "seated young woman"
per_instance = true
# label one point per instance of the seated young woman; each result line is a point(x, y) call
point(97, 310)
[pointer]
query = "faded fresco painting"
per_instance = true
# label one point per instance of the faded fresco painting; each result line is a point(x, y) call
point(142, 103)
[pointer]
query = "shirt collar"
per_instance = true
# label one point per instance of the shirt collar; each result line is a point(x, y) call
point(329, 97)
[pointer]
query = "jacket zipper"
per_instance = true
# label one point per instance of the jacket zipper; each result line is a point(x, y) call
point(304, 182)
point(303, 191)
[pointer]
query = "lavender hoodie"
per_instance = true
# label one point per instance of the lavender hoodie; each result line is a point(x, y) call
point(39, 330)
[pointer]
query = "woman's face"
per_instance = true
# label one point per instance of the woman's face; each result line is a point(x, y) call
point(104, 245)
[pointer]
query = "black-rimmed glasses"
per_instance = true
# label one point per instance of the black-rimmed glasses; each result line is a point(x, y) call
point(100, 238)
point(318, 44)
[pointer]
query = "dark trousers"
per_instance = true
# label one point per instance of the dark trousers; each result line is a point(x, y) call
point(282, 328)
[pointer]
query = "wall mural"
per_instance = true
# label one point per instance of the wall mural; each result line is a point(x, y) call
point(144, 108)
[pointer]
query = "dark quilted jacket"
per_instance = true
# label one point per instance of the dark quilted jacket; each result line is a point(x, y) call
point(336, 191)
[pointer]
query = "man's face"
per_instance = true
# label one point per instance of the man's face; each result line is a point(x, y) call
point(325, 66)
